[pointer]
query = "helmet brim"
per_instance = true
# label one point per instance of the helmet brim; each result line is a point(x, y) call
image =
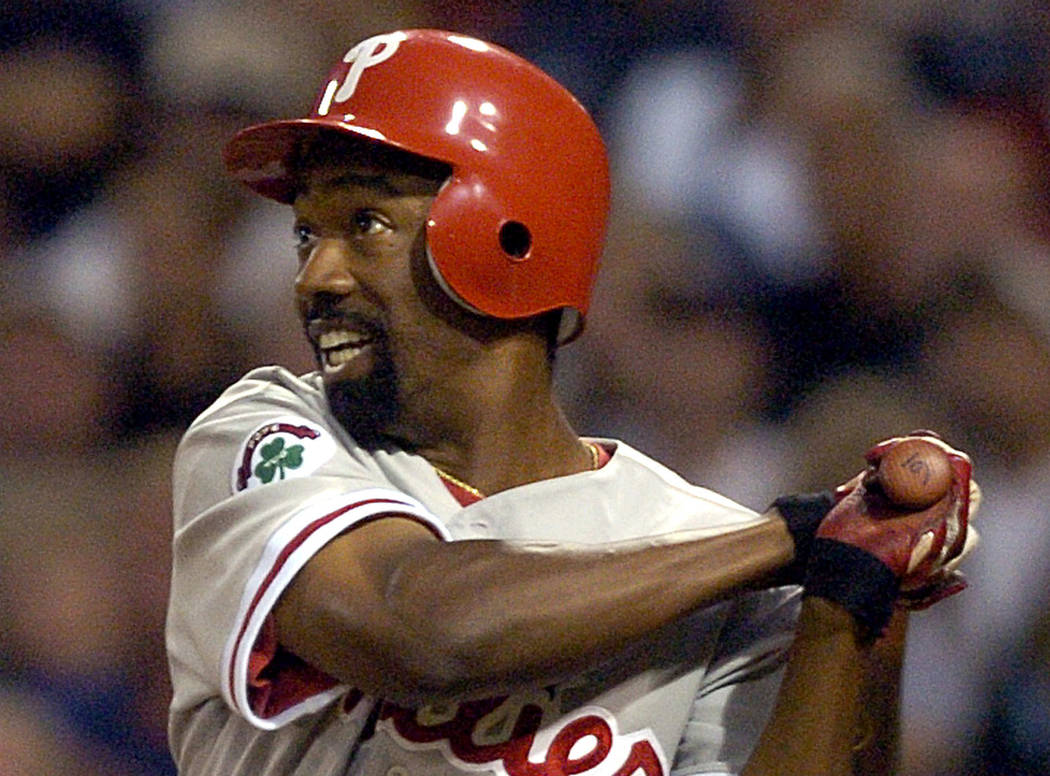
point(266, 157)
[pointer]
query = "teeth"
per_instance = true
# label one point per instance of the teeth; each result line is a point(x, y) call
point(336, 358)
point(340, 338)
point(340, 346)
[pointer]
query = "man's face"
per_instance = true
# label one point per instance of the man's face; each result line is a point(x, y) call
point(359, 232)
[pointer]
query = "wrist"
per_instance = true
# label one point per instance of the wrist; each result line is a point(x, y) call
point(855, 580)
point(802, 513)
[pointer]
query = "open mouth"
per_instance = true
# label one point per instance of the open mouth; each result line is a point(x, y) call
point(338, 347)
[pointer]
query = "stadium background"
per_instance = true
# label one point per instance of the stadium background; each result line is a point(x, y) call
point(830, 224)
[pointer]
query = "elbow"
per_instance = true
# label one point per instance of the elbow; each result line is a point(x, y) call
point(449, 643)
point(442, 660)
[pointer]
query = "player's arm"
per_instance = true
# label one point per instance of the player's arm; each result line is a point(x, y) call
point(836, 711)
point(836, 714)
point(389, 609)
point(877, 748)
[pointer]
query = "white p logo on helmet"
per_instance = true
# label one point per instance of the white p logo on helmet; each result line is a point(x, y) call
point(365, 54)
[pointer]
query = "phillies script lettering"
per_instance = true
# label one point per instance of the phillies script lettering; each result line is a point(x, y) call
point(508, 732)
point(367, 53)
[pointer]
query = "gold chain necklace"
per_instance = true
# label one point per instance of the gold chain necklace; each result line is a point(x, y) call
point(591, 448)
point(459, 483)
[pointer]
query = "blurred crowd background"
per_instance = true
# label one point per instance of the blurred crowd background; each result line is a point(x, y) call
point(830, 226)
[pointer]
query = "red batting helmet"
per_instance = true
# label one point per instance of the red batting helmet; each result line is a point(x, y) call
point(518, 228)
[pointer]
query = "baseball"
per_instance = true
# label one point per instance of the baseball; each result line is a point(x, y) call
point(915, 473)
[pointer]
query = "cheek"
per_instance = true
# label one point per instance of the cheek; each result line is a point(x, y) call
point(385, 277)
point(427, 332)
point(425, 349)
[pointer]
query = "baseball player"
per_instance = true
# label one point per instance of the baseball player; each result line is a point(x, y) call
point(407, 562)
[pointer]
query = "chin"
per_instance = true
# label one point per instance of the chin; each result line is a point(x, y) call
point(366, 407)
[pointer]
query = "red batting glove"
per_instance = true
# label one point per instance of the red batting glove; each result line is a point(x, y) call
point(947, 520)
point(869, 554)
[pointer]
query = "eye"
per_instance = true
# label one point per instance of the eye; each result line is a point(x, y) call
point(303, 235)
point(367, 223)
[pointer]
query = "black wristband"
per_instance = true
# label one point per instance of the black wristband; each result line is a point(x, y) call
point(855, 579)
point(802, 512)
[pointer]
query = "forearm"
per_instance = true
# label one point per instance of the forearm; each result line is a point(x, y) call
point(815, 722)
point(534, 614)
point(463, 618)
point(877, 753)
point(837, 711)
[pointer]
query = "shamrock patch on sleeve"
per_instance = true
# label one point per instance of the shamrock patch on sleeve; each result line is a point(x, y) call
point(280, 450)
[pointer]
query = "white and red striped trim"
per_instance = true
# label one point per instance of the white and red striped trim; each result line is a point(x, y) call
point(289, 549)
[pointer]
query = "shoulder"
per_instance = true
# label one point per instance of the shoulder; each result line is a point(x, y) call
point(272, 428)
point(267, 405)
point(631, 471)
point(271, 386)
point(631, 498)
point(263, 399)
point(270, 425)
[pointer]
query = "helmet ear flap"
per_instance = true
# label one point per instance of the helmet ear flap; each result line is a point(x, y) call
point(499, 260)
point(474, 248)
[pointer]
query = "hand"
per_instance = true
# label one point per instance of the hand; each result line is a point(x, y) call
point(945, 580)
point(908, 556)
point(914, 544)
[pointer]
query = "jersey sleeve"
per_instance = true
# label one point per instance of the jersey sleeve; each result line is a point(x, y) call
point(262, 482)
point(736, 696)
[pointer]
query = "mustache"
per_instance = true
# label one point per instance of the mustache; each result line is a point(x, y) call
point(319, 317)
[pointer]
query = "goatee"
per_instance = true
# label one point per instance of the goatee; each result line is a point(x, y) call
point(367, 406)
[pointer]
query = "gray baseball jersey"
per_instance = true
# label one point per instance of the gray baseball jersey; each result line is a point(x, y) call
point(266, 477)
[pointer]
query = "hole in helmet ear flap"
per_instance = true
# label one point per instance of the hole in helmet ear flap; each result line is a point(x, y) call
point(515, 239)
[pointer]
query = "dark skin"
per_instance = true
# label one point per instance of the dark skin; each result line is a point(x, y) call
point(363, 245)
point(389, 609)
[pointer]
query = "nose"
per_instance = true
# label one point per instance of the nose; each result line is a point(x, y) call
point(326, 270)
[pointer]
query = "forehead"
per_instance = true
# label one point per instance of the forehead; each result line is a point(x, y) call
point(349, 178)
point(334, 161)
